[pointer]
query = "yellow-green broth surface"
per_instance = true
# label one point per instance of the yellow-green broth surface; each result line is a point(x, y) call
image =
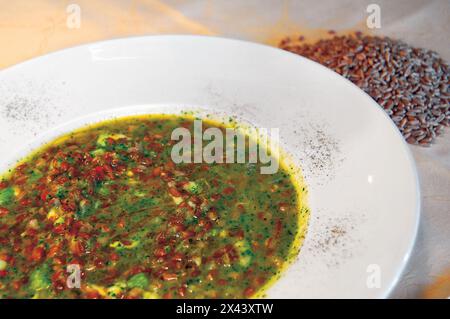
point(109, 198)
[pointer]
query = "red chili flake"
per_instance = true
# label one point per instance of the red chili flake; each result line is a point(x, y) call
point(108, 170)
point(248, 292)
point(170, 165)
point(110, 141)
point(75, 228)
point(156, 147)
point(4, 241)
point(59, 286)
point(44, 195)
point(84, 236)
point(177, 257)
point(31, 232)
point(167, 276)
point(278, 227)
point(3, 273)
point(3, 185)
point(20, 218)
point(105, 228)
point(25, 202)
point(136, 270)
point(98, 173)
point(196, 200)
point(156, 171)
point(16, 284)
point(239, 233)
point(207, 226)
point(54, 249)
point(5, 257)
point(137, 170)
point(127, 242)
point(182, 291)
point(161, 238)
point(21, 168)
point(160, 252)
point(228, 191)
point(174, 192)
point(183, 205)
point(219, 253)
point(167, 295)
point(187, 234)
point(182, 184)
point(3, 211)
point(212, 274)
point(21, 180)
point(114, 256)
point(121, 223)
point(68, 206)
point(146, 161)
point(232, 253)
point(65, 166)
point(222, 282)
point(195, 273)
point(57, 275)
point(260, 281)
point(268, 242)
point(93, 295)
point(59, 229)
point(37, 254)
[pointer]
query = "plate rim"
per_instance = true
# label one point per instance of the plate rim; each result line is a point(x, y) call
point(405, 147)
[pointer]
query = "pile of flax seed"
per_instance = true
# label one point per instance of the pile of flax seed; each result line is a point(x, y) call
point(411, 84)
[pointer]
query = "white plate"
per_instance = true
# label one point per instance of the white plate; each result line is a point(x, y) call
point(363, 187)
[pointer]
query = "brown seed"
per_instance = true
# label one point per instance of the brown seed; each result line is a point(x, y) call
point(403, 122)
